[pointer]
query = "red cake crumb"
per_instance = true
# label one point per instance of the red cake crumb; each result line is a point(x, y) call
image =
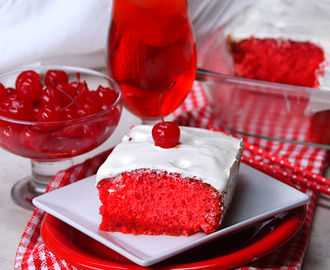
point(155, 202)
point(281, 61)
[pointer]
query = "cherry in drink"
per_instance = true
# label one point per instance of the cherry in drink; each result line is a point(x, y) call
point(151, 53)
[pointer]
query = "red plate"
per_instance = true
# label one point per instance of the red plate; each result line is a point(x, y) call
point(231, 251)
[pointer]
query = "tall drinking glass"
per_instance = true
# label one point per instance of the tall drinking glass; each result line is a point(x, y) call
point(151, 53)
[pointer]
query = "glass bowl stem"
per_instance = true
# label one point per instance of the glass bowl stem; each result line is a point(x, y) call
point(42, 172)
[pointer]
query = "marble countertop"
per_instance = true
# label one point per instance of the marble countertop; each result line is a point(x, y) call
point(13, 219)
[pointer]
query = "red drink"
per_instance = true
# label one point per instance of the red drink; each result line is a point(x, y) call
point(151, 54)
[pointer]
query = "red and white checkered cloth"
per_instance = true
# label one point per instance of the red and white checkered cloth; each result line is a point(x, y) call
point(195, 111)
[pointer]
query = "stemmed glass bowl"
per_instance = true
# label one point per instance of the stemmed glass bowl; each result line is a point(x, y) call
point(89, 112)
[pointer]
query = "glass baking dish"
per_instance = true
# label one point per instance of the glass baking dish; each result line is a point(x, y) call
point(256, 108)
point(269, 110)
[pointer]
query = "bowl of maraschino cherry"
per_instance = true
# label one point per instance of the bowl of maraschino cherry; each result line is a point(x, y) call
point(50, 114)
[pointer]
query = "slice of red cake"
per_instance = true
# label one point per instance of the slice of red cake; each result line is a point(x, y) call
point(146, 189)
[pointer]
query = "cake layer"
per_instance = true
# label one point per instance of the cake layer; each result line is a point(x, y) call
point(155, 202)
point(281, 61)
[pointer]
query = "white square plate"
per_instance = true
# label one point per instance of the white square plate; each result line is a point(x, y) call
point(257, 197)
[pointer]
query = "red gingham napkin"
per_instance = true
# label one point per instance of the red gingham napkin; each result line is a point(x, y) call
point(195, 111)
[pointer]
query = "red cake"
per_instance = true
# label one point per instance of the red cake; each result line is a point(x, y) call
point(289, 62)
point(283, 41)
point(147, 189)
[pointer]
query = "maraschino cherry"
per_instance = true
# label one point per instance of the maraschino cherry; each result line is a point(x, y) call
point(26, 73)
point(29, 88)
point(3, 92)
point(166, 134)
point(56, 77)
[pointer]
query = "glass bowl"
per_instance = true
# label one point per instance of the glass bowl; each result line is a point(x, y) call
point(75, 119)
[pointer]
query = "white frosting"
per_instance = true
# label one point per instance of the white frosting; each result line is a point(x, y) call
point(297, 20)
point(212, 157)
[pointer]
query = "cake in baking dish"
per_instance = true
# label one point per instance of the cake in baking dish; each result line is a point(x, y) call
point(284, 41)
point(147, 189)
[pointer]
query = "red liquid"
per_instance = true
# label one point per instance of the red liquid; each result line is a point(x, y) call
point(151, 49)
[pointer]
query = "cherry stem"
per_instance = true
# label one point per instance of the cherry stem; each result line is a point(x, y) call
point(73, 99)
point(77, 86)
point(65, 93)
point(160, 99)
point(49, 136)
point(41, 132)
